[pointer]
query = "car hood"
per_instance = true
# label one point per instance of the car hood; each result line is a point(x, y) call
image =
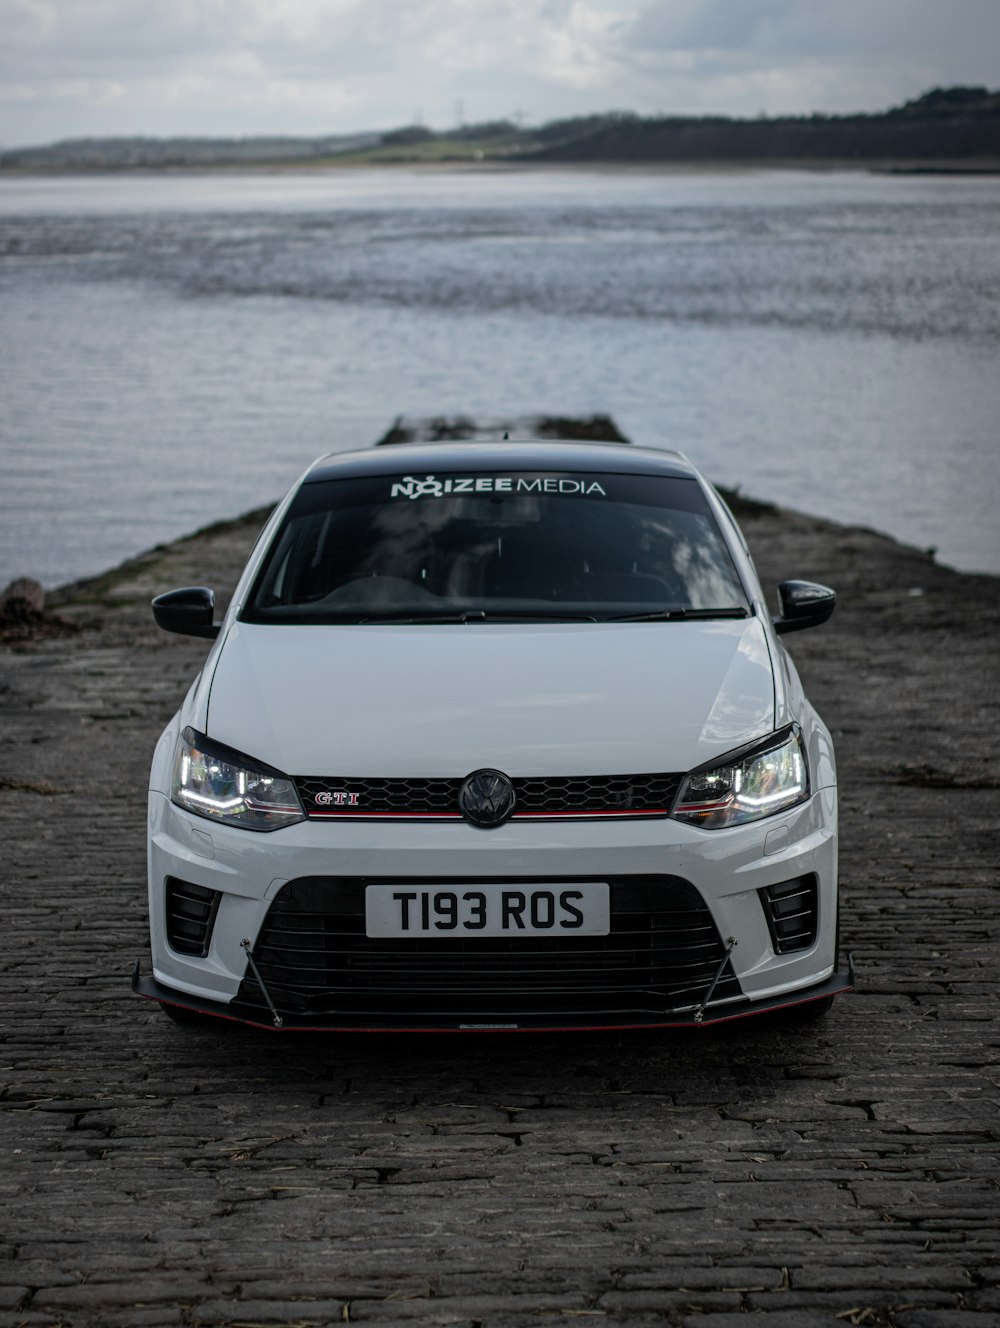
point(535, 699)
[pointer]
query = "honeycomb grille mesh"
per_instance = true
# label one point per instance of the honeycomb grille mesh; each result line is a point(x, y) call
point(551, 796)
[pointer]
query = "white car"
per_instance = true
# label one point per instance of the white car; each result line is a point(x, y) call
point(495, 736)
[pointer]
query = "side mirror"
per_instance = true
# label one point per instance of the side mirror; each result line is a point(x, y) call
point(191, 612)
point(803, 604)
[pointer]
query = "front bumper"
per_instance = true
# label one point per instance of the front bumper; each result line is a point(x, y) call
point(836, 984)
point(729, 871)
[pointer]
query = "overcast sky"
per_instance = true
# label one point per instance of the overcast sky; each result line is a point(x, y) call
point(70, 68)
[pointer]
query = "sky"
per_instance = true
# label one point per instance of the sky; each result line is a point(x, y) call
point(75, 68)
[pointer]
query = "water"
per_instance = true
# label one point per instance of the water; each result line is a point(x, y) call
point(175, 349)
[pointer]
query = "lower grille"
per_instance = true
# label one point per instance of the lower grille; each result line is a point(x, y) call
point(792, 913)
point(661, 955)
point(191, 913)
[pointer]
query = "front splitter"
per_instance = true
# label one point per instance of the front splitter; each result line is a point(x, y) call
point(152, 990)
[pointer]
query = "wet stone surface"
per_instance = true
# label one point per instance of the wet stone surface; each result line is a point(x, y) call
point(844, 1172)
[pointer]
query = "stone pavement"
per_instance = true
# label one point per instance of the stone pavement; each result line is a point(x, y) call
point(845, 1172)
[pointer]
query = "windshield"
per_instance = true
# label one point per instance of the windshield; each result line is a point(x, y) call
point(510, 546)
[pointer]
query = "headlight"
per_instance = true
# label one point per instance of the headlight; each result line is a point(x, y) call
point(747, 787)
point(214, 781)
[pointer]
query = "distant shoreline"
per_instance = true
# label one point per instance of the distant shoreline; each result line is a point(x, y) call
point(986, 168)
point(942, 131)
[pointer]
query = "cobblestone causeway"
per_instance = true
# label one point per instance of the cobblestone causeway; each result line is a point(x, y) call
point(845, 1172)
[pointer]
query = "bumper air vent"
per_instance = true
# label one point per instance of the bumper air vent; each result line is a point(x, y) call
point(191, 913)
point(792, 912)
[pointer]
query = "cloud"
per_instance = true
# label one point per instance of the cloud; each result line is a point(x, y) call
point(71, 67)
point(804, 29)
point(379, 61)
point(798, 55)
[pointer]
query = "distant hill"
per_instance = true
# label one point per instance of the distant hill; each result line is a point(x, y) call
point(139, 153)
point(946, 124)
point(946, 128)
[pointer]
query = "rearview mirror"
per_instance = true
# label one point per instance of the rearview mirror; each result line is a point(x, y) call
point(803, 604)
point(191, 612)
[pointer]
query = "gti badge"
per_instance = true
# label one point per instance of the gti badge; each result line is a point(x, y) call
point(337, 798)
point(487, 798)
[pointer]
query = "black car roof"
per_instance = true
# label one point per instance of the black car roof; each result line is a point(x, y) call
point(517, 454)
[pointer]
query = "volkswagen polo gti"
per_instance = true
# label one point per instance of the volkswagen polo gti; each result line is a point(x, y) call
point(494, 736)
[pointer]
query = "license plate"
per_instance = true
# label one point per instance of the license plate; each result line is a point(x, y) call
point(566, 909)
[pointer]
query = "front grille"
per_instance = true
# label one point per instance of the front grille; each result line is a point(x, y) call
point(661, 955)
point(191, 913)
point(553, 796)
point(792, 913)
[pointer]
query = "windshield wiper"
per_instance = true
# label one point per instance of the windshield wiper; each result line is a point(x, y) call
point(682, 615)
point(478, 616)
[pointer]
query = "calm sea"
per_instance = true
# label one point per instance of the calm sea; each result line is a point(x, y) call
point(174, 349)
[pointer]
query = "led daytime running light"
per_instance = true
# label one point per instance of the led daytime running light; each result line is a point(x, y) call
point(224, 786)
point(760, 784)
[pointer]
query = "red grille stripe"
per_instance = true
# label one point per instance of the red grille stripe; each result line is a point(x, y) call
point(352, 814)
